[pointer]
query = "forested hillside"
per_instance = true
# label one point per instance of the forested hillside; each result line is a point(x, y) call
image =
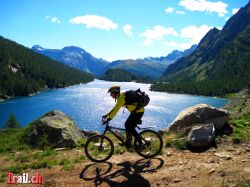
point(219, 65)
point(23, 71)
point(121, 75)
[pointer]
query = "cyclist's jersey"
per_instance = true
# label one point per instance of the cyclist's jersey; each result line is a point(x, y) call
point(121, 103)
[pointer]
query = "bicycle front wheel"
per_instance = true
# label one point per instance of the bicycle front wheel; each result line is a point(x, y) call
point(99, 148)
point(153, 144)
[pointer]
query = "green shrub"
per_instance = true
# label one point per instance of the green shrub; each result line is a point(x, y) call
point(12, 122)
point(2, 178)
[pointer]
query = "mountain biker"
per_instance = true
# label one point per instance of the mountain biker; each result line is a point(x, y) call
point(133, 119)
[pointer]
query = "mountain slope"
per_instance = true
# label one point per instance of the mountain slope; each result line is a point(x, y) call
point(220, 63)
point(22, 71)
point(74, 57)
point(139, 67)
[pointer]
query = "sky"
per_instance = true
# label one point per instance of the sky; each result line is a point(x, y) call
point(114, 29)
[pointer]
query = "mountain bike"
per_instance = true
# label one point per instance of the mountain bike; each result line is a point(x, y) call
point(100, 148)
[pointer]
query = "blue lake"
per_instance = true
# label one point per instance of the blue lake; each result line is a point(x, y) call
point(86, 103)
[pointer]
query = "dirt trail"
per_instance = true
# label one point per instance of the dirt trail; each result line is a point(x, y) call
point(225, 166)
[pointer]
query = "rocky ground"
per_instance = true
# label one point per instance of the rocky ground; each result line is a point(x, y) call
point(226, 165)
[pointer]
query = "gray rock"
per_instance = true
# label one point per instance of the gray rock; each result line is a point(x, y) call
point(223, 155)
point(55, 129)
point(199, 114)
point(201, 135)
point(88, 134)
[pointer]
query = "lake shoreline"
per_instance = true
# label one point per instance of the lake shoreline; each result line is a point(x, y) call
point(6, 97)
point(47, 89)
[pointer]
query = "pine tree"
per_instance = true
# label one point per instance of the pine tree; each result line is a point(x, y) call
point(12, 122)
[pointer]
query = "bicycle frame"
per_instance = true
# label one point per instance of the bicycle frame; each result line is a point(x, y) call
point(109, 129)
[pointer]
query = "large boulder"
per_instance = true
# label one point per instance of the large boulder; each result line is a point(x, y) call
point(54, 129)
point(199, 114)
point(201, 135)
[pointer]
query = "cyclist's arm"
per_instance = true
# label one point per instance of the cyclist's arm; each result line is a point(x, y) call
point(119, 104)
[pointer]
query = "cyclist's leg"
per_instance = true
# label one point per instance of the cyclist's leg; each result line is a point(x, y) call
point(131, 123)
point(128, 140)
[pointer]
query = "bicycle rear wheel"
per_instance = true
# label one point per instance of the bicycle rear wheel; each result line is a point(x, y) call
point(153, 144)
point(99, 148)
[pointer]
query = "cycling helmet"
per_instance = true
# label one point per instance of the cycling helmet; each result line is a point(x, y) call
point(114, 89)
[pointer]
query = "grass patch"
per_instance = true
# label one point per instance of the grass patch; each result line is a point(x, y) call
point(230, 96)
point(119, 150)
point(180, 144)
point(43, 154)
point(11, 140)
point(68, 165)
point(241, 129)
point(175, 140)
point(18, 168)
point(47, 163)
point(244, 184)
point(82, 142)
point(18, 156)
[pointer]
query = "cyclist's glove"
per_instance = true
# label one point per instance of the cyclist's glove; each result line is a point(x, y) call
point(105, 119)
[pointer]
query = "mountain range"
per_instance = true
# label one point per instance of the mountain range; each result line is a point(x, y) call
point(172, 57)
point(74, 57)
point(84, 61)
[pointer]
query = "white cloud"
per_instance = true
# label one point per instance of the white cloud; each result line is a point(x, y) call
point(169, 10)
point(52, 19)
point(94, 21)
point(205, 6)
point(195, 34)
point(55, 20)
point(179, 12)
point(157, 33)
point(178, 45)
point(128, 30)
point(235, 10)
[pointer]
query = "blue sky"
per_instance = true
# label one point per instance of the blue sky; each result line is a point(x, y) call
point(114, 29)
